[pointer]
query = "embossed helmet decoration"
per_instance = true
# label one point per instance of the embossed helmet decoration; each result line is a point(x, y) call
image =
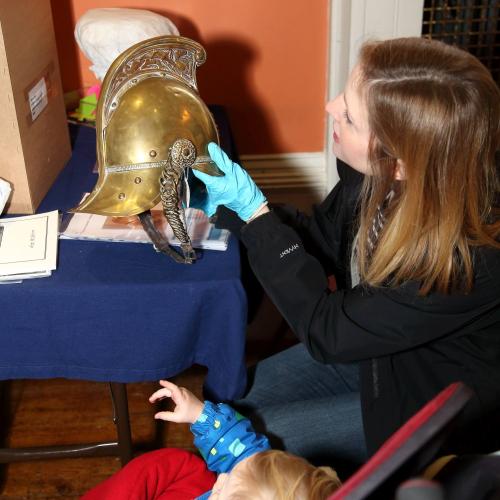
point(152, 127)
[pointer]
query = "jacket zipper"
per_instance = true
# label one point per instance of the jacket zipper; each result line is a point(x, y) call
point(375, 381)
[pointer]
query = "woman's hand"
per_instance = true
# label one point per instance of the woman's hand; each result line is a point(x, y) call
point(187, 406)
point(235, 189)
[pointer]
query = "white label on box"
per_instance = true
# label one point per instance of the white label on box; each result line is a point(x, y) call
point(38, 98)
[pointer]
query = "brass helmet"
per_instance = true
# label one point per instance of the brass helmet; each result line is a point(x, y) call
point(152, 126)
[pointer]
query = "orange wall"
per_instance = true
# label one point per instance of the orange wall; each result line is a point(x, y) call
point(266, 62)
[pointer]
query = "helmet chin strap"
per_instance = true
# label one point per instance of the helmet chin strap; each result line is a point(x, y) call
point(182, 155)
point(161, 243)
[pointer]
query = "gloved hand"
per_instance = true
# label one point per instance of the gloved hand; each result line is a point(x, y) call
point(235, 190)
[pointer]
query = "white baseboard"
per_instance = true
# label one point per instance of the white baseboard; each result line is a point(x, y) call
point(292, 170)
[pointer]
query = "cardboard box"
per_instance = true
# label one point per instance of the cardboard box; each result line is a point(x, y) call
point(34, 137)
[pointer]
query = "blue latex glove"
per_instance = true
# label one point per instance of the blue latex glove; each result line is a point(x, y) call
point(236, 189)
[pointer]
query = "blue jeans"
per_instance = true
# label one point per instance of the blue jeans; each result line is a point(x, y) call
point(308, 408)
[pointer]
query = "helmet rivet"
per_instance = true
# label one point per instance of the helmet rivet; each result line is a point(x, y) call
point(152, 153)
point(121, 196)
point(113, 104)
point(137, 180)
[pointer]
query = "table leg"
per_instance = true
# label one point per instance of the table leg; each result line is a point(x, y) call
point(4, 423)
point(121, 420)
point(122, 447)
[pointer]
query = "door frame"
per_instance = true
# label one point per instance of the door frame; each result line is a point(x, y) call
point(351, 22)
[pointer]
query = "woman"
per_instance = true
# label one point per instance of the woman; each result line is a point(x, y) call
point(414, 249)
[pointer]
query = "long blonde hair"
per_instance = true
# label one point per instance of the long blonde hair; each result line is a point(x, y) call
point(281, 476)
point(435, 108)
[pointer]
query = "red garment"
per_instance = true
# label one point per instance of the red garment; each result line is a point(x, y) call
point(166, 474)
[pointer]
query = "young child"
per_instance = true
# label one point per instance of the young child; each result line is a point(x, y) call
point(246, 466)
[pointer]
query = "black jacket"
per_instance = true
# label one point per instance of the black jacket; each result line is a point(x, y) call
point(409, 347)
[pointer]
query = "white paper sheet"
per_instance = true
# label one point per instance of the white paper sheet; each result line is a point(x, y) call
point(28, 244)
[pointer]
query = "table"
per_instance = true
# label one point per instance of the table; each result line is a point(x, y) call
point(120, 312)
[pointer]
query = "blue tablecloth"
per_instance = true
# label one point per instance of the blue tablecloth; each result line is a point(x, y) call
point(121, 312)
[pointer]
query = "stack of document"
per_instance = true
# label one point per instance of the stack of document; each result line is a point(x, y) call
point(202, 233)
point(28, 246)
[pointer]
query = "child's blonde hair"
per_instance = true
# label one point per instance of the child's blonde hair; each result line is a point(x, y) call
point(278, 475)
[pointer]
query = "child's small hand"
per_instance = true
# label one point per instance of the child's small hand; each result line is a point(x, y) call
point(187, 406)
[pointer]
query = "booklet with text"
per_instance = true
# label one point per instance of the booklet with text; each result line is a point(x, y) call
point(28, 246)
